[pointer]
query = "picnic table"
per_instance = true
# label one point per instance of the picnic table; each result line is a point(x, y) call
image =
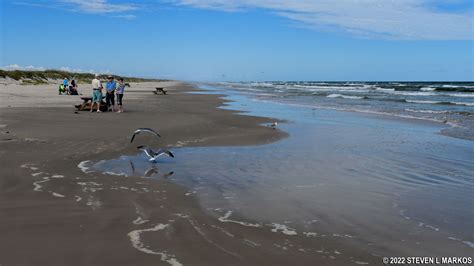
point(159, 90)
point(86, 104)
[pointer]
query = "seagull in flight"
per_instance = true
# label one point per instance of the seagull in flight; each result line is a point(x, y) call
point(152, 155)
point(139, 130)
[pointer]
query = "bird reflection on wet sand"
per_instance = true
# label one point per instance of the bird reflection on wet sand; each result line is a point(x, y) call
point(153, 171)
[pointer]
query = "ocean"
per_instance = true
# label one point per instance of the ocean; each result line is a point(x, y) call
point(451, 103)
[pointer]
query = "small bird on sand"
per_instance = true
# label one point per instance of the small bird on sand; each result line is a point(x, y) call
point(152, 155)
point(274, 125)
point(166, 175)
point(139, 130)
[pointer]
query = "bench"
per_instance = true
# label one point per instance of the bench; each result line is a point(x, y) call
point(160, 90)
point(86, 105)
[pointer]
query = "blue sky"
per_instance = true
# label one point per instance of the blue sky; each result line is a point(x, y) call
point(211, 40)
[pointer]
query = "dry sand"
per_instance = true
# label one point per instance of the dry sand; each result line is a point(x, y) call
point(52, 213)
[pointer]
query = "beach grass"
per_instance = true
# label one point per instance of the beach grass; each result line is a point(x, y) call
point(46, 76)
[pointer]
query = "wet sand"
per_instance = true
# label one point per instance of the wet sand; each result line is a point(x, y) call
point(52, 213)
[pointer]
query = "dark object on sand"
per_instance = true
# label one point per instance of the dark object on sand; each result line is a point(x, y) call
point(273, 125)
point(76, 112)
point(139, 130)
point(72, 91)
point(152, 155)
point(160, 90)
point(86, 105)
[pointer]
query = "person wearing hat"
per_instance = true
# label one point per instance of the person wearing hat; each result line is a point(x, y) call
point(96, 93)
point(110, 87)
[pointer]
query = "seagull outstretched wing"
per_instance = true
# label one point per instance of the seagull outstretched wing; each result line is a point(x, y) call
point(144, 129)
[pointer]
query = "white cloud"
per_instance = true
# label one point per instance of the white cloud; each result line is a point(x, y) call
point(68, 69)
point(18, 67)
point(62, 68)
point(100, 6)
point(386, 19)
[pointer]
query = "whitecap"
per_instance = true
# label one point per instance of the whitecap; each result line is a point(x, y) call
point(427, 89)
point(462, 95)
point(426, 111)
point(420, 101)
point(384, 90)
point(414, 93)
point(463, 103)
point(336, 95)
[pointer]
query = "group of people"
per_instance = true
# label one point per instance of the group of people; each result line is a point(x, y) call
point(66, 88)
point(111, 88)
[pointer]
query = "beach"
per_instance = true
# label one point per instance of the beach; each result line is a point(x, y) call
point(325, 188)
point(45, 223)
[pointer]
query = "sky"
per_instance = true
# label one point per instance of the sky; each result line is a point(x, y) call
point(243, 40)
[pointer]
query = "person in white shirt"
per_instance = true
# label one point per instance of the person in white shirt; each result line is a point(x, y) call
point(96, 93)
